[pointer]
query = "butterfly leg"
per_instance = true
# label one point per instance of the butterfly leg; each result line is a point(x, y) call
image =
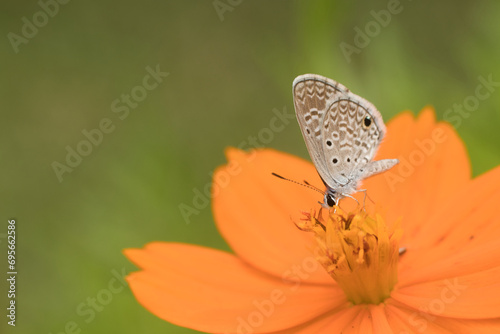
point(347, 195)
point(364, 198)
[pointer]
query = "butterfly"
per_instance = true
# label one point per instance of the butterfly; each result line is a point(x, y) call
point(342, 132)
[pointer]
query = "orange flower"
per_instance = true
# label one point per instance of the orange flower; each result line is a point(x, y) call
point(447, 281)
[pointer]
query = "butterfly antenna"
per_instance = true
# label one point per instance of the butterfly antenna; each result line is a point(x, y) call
point(316, 188)
point(307, 185)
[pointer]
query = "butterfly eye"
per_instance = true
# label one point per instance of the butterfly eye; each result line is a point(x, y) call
point(367, 122)
point(330, 200)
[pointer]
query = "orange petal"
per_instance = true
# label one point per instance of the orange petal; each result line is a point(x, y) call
point(481, 258)
point(465, 231)
point(405, 320)
point(255, 210)
point(433, 166)
point(353, 319)
point(214, 291)
point(397, 320)
point(474, 296)
point(362, 324)
point(374, 319)
point(379, 319)
point(333, 322)
point(465, 326)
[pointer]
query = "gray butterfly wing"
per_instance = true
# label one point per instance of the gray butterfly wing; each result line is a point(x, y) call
point(342, 131)
point(312, 95)
point(352, 131)
point(376, 167)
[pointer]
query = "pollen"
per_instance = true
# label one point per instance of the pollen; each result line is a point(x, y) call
point(358, 250)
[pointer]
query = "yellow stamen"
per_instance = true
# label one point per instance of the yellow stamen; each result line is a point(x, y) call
point(359, 251)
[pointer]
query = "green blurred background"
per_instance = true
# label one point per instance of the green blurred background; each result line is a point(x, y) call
point(227, 72)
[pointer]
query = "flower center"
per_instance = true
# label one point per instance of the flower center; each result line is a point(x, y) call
point(359, 251)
